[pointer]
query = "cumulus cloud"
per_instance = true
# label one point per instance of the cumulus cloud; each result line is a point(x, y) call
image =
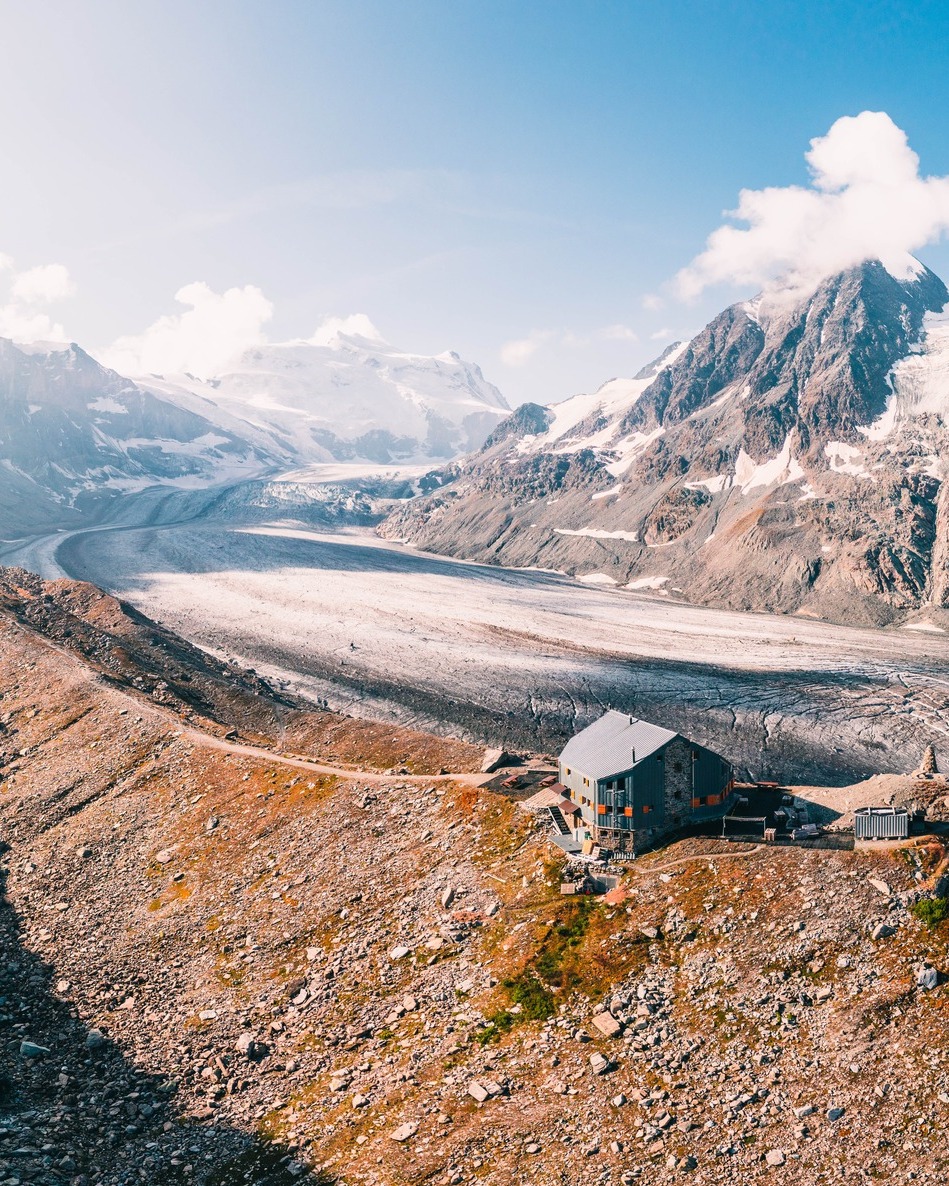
point(866, 200)
point(43, 285)
point(22, 316)
point(214, 331)
point(356, 325)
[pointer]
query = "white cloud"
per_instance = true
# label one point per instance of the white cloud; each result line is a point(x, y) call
point(617, 333)
point(517, 352)
point(866, 200)
point(22, 317)
point(43, 285)
point(23, 326)
point(652, 302)
point(356, 325)
point(665, 332)
point(213, 332)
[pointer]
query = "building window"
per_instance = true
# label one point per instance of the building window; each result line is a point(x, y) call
point(646, 808)
point(677, 767)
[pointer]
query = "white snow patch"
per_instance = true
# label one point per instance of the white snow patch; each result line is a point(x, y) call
point(646, 583)
point(919, 382)
point(780, 470)
point(607, 493)
point(714, 485)
point(105, 404)
point(925, 627)
point(608, 404)
point(630, 447)
point(596, 533)
point(753, 308)
point(597, 578)
point(845, 459)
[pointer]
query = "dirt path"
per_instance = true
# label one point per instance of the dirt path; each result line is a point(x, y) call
point(260, 753)
point(252, 751)
point(700, 856)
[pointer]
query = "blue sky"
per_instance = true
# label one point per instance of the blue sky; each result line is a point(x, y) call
point(470, 175)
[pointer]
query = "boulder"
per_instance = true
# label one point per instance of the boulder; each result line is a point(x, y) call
point(404, 1132)
point(927, 978)
point(495, 759)
point(607, 1024)
point(32, 1049)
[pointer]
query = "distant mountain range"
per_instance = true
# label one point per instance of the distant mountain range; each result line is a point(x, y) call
point(793, 457)
point(74, 434)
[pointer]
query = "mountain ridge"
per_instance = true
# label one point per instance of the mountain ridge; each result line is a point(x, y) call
point(789, 458)
point(74, 434)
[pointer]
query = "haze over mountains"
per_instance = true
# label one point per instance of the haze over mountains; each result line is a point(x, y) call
point(74, 434)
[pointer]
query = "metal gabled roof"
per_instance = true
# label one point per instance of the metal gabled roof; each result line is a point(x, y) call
point(607, 746)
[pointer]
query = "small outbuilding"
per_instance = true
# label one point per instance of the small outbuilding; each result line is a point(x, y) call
point(635, 783)
point(881, 823)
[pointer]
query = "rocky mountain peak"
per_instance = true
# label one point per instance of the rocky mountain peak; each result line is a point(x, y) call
point(791, 456)
point(818, 368)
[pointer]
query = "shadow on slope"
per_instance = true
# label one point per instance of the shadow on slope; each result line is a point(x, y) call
point(74, 1110)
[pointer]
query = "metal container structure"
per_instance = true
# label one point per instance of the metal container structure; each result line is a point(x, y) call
point(881, 823)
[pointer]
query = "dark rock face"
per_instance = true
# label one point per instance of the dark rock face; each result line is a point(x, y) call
point(742, 470)
point(727, 348)
point(819, 368)
point(527, 420)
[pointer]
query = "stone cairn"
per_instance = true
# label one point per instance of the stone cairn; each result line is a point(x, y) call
point(928, 764)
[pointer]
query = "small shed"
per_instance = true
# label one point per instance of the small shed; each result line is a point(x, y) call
point(881, 823)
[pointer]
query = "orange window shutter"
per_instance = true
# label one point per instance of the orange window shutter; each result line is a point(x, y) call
point(601, 808)
point(627, 811)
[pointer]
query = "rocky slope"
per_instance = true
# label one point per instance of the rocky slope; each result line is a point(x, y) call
point(791, 457)
point(225, 964)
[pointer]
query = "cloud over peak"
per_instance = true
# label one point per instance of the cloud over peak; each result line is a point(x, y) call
point(866, 200)
point(201, 341)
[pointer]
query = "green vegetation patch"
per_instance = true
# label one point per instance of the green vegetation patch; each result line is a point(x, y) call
point(556, 966)
point(932, 911)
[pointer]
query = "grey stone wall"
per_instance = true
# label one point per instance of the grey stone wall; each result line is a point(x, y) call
point(678, 784)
